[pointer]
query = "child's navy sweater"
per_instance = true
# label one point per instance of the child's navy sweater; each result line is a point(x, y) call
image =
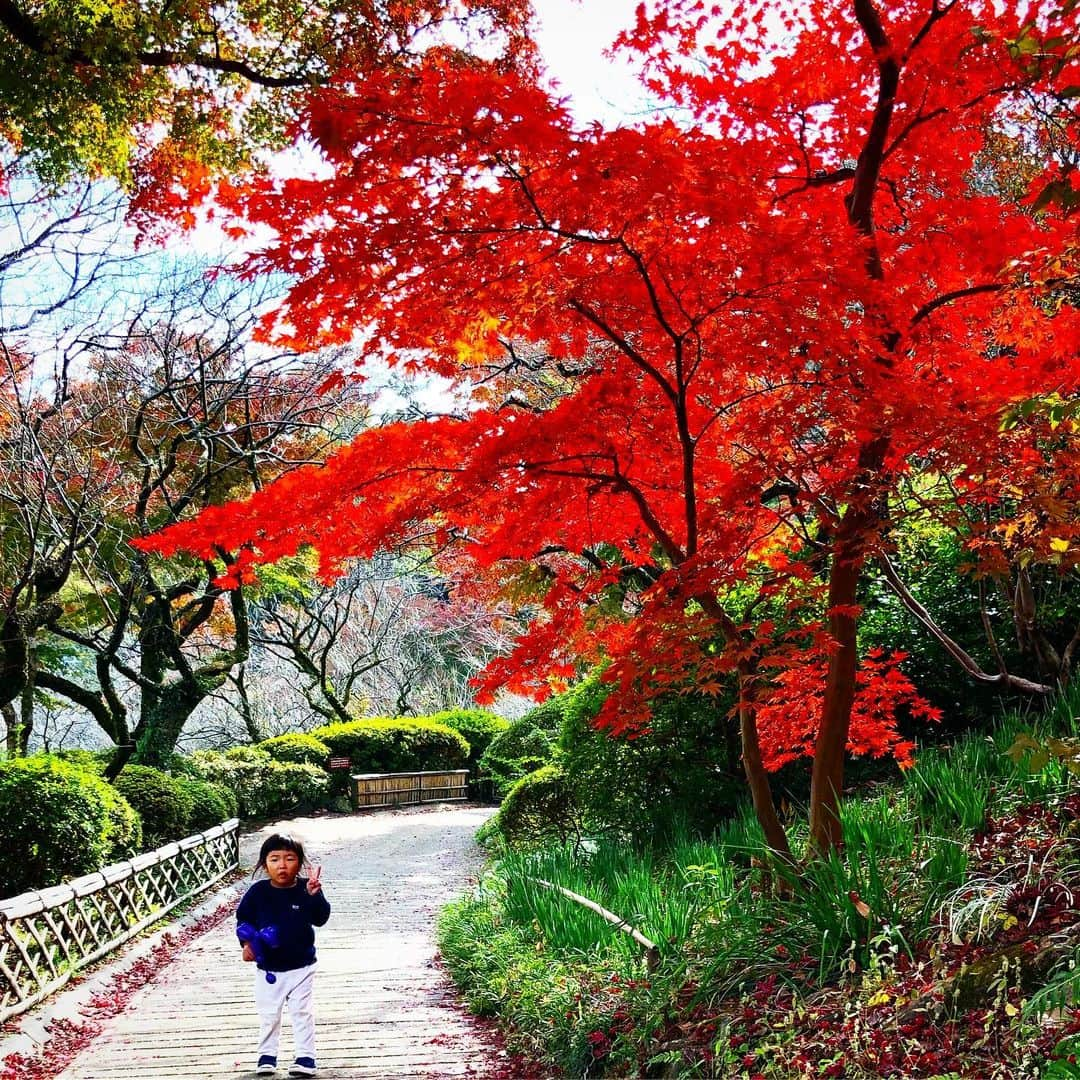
point(295, 912)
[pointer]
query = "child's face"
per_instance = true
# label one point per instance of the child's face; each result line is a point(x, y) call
point(282, 866)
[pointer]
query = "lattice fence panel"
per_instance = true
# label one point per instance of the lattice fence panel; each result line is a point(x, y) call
point(46, 936)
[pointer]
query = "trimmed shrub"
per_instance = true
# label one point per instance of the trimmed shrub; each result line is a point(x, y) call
point(252, 754)
point(683, 773)
point(476, 725)
point(406, 745)
point(540, 808)
point(91, 760)
point(263, 787)
point(59, 821)
point(211, 804)
point(163, 805)
point(296, 747)
point(526, 745)
point(182, 765)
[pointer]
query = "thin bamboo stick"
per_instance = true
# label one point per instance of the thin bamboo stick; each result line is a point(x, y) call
point(652, 950)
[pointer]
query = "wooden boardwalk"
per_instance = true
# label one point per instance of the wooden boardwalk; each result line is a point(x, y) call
point(382, 1006)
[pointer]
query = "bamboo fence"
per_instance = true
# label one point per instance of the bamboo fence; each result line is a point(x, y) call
point(371, 790)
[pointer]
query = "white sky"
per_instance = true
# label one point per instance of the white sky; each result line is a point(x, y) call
point(572, 35)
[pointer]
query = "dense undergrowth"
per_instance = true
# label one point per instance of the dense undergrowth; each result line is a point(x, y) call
point(944, 943)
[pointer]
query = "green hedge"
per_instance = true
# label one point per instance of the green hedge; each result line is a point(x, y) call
point(540, 808)
point(524, 746)
point(163, 802)
point(263, 787)
point(211, 804)
point(407, 745)
point(683, 773)
point(93, 761)
point(59, 821)
point(296, 747)
point(477, 726)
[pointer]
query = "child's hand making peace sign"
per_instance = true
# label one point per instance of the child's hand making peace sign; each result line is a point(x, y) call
point(314, 885)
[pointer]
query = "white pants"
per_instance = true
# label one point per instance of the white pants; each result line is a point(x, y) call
point(294, 987)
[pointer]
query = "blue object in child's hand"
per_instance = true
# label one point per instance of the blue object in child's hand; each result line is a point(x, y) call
point(260, 940)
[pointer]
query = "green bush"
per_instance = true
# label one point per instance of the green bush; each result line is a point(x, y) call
point(387, 746)
point(181, 765)
point(163, 805)
point(250, 754)
point(211, 804)
point(682, 773)
point(263, 787)
point(548, 1015)
point(59, 821)
point(477, 726)
point(540, 808)
point(525, 746)
point(296, 747)
point(91, 760)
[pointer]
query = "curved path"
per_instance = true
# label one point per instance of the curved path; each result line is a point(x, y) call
point(383, 1007)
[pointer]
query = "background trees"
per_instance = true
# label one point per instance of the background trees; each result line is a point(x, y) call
point(389, 637)
point(167, 415)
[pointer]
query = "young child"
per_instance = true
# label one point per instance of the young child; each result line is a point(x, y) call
point(275, 923)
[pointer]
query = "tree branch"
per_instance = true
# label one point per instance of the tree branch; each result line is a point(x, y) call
point(967, 662)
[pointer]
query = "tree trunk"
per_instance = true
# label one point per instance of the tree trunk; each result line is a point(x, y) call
point(13, 659)
point(757, 777)
point(166, 706)
point(861, 517)
point(861, 521)
point(163, 719)
point(121, 756)
point(26, 719)
point(251, 724)
point(827, 777)
point(20, 721)
point(11, 736)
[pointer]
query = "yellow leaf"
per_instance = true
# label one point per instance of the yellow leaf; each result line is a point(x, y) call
point(1010, 1009)
point(1058, 544)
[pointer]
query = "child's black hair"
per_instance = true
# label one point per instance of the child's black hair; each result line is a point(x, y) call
point(280, 842)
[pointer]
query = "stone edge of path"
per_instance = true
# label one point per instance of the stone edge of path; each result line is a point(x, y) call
point(32, 1029)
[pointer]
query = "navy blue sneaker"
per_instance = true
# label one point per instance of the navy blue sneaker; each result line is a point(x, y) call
point(302, 1067)
point(267, 1066)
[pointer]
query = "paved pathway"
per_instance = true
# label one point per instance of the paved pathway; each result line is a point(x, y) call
point(382, 1006)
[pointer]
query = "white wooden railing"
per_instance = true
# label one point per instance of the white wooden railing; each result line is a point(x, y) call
point(47, 936)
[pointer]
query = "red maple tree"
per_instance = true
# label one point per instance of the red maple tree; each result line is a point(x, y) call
point(712, 343)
